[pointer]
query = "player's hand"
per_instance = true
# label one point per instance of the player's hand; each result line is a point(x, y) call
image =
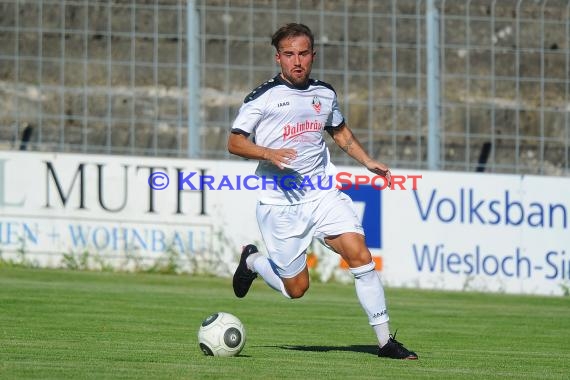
point(280, 157)
point(380, 169)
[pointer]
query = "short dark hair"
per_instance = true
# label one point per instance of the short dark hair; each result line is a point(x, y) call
point(292, 29)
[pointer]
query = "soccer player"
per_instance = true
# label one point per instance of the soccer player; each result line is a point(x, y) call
point(286, 116)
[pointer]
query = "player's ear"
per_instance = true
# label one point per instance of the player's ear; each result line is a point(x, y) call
point(277, 59)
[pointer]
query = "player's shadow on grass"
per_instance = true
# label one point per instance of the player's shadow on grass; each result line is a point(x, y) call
point(367, 349)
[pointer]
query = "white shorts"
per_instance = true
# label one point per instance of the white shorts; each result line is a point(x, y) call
point(289, 230)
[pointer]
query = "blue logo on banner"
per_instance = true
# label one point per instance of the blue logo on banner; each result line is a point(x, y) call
point(371, 220)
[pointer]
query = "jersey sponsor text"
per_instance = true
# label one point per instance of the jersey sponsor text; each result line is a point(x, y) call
point(290, 131)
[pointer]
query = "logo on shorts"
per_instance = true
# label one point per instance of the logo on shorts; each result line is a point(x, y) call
point(316, 104)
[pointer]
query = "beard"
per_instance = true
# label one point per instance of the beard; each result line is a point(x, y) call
point(297, 80)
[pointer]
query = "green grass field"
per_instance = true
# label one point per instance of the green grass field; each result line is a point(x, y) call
point(66, 324)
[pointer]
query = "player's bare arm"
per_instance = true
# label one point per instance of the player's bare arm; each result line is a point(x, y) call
point(346, 140)
point(240, 145)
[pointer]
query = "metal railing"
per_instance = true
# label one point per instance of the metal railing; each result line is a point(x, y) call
point(112, 76)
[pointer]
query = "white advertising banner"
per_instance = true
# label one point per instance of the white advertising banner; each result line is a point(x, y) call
point(123, 211)
point(480, 232)
point(436, 230)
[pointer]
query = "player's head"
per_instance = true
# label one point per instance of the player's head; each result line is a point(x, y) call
point(294, 52)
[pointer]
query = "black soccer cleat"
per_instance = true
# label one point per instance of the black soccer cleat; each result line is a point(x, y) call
point(396, 350)
point(243, 276)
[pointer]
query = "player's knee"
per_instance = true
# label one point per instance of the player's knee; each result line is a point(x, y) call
point(358, 260)
point(297, 290)
point(297, 286)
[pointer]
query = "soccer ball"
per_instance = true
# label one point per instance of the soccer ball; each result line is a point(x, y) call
point(221, 334)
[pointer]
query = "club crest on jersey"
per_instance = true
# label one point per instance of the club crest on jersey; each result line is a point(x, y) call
point(317, 104)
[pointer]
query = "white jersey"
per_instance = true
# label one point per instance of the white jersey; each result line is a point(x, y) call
point(280, 115)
